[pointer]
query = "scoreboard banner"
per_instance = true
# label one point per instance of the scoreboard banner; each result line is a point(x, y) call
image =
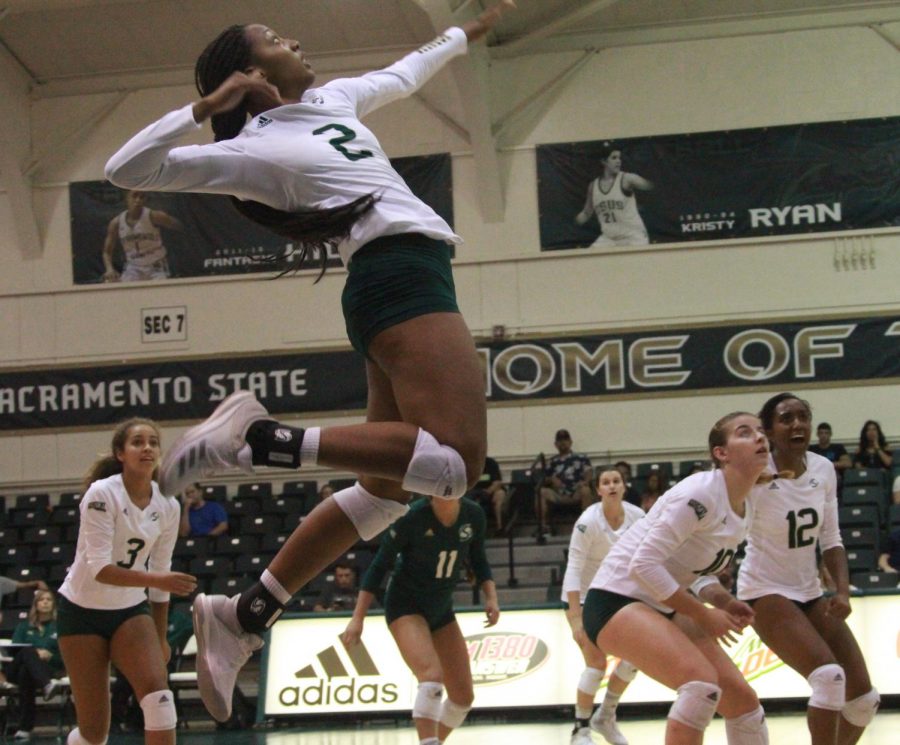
point(737, 184)
point(527, 660)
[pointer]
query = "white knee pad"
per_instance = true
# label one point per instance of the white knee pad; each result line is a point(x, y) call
point(625, 671)
point(748, 729)
point(368, 513)
point(436, 470)
point(590, 680)
point(828, 684)
point(428, 701)
point(453, 715)
point(75, 738)
point(861, 710)
point(696, 703)
point(159, 711)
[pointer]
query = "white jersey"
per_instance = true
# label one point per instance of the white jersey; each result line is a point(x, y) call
point(114, 531)
point(592, 538)
point(308, 155)
point(790, 517)
point(618, 214)
point(691, 531)
point(141, 242)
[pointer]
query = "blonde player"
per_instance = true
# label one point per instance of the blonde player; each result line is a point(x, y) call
point(126, 536)
point(596, 531)
point(611, 198)
point(779, 577)
point(299, 160)
point(136, 230)
point(639, 609)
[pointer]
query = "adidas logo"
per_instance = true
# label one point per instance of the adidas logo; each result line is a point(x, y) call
point(193, 456)
point(263, 121)
point(774, 486)
point(315, 688)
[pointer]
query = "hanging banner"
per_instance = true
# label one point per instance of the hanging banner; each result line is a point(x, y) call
point(806, 178)
point(690, 359)
point(196, 235)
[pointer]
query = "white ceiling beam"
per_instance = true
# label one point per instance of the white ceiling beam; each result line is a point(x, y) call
point(519, 45)
point(892, 39)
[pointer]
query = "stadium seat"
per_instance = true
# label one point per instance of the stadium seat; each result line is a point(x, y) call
point(300, 488)
point(210, 566)
point(256, 489)
point(27, 518)
point(645, 469)
point(894, 516)
point(861, 560)
point(32, 501)
point(863, 477)
point(214, 492)
point(261, 524)
point(235, 545)
point(859, 536)
point(284, 504)
point(853, 495)
point(860, 514)
point(54, 553)
point(272, 542)
point(64, 516)
point(252, 564)
point(686, 466)
point(69, 499)
point(42, 534)
point(875, 580)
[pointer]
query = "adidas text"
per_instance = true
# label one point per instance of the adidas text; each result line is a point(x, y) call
point(324, 692)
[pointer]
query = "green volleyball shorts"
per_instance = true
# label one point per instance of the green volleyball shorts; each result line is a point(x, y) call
point(73, 620)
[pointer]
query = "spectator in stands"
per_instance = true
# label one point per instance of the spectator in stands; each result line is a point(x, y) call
point(890, 560)
point(873, 451)
point(631, 495)
point(199, 517)
point(834, 451)
point(568, 479)
point(652, 491)
point(325, 491)
point(36, 668)
point(342, 594)
point(490, 492)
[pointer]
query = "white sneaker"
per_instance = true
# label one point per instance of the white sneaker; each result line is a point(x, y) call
point(216, 444)
point(223, 648)
point(51, 689)
point(582, 736)
point(22, 735)
point(608, 727)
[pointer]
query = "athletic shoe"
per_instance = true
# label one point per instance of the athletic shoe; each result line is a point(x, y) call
point(223, 648)
point(212, 446)
point(607, 726)
point(581, 736)
point(22, 735)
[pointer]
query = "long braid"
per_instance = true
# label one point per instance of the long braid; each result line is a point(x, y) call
point(310, 231)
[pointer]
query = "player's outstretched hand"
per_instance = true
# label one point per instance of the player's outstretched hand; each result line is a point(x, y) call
point(487, 20)
point(741, 611)
point(178, 583)
point(492, 611)
point(351, 635)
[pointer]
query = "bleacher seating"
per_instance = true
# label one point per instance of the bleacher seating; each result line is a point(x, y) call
point(861, 560)
point(852, 495)
point(875, 580)
point(255, 489)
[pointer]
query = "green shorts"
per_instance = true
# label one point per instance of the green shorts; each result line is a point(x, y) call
point(437, 610)
point(601, 605)
point(393, 279)
point(73, 620)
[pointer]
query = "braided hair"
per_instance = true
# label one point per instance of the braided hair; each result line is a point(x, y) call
point(310, 231)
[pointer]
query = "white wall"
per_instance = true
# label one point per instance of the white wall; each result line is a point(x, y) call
point(502, 278)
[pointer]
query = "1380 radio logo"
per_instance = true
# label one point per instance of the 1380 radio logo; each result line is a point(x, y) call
point(497, 657)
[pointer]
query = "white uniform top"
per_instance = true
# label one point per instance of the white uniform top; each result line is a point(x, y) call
point(114, 531)
point(617, 211)
point(790, 516)
point(309, 155)
point(591, 540)
point(690, 531)
point(142, 241)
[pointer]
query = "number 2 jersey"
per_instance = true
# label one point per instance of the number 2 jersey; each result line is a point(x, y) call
point(790, 517)
point(309, 155)
point(428, 553)
point(114, 531)
point(691, 531)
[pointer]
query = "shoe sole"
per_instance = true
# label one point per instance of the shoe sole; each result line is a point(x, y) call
point(169, 480)
point(220, 710)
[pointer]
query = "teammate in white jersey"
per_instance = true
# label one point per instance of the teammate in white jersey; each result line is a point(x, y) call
point(136, 231)
point(306, 167)
point(779, 578)
point(611, 198)
point(126, 536)
point(596, 531)
point(639, 609)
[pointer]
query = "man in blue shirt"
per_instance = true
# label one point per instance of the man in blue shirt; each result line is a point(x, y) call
point(199, 517)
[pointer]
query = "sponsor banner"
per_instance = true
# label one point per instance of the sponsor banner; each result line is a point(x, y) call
point(204, 234)
point(807, 178)
point(527, 659)
point(688, 359)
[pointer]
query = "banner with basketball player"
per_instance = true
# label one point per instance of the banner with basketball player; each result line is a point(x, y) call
point(684, 360)
point(807, 178)
point(119, 235)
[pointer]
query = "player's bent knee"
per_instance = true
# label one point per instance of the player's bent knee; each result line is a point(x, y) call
point(453, 714)
point(625, 671)
point(159, 711)
point(696, 703)
point(76, 738)
point(436, 470)
point(861, 710)
point(590, 680)
point(369, 514)
point(748, 729)
point(428, 701)
point(828, 684)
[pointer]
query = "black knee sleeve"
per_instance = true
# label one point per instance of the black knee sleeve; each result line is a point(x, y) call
point(274, 444)
point(257, 609)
